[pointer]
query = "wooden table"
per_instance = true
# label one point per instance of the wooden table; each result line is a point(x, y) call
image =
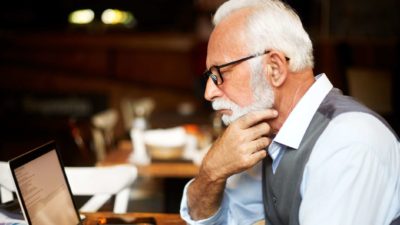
point(161, 218)
point(160, 169)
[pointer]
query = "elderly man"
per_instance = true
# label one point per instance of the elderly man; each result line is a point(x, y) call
point(296, 151)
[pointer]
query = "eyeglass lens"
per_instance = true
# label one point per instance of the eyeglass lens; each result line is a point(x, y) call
point(215, 75)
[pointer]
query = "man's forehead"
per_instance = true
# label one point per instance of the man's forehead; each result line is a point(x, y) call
point(227, 38)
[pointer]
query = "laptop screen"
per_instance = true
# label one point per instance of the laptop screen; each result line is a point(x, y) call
point(43, 189)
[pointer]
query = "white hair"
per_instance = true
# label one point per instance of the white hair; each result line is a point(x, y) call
point(272, 25)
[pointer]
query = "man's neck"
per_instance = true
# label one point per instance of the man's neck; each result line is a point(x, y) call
point(289, 94)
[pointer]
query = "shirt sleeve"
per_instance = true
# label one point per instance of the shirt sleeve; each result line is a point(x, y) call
point(220, 217)
point(354, 179)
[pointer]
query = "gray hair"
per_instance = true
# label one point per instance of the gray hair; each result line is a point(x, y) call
point(272, 25)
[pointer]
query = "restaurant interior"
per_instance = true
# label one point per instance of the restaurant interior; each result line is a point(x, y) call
point(96, 75)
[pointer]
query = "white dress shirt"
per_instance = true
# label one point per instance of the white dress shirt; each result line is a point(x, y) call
point(352, 176)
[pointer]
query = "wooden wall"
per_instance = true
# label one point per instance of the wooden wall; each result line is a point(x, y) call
point(102, 70)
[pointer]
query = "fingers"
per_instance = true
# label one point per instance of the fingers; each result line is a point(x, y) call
point(255, 117)
point(259, 130)
point(241, 145)
point(255, 151)
point(259, 144)
point(258, 156)
point(259, 150)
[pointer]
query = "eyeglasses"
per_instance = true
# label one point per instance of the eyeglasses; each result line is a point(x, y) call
point(214, 72)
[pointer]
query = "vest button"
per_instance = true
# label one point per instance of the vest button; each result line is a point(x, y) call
point(274, 200)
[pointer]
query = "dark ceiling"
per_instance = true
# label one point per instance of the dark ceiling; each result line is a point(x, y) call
point(53, 14)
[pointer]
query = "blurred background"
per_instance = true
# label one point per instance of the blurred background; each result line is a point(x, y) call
point(64, 63)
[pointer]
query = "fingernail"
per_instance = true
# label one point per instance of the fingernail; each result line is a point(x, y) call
point(275, 113)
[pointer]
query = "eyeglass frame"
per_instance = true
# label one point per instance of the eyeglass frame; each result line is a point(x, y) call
point(214, 77)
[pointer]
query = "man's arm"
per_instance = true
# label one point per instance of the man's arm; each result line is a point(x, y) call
point(204, 197)
point(353, 174)
point(238, 149)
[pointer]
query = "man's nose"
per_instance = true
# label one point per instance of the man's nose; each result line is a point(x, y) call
point(212, 91)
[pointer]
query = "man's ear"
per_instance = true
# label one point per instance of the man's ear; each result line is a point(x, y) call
point(277, 69)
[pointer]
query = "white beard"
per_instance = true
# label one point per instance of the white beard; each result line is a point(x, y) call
point(263, 96)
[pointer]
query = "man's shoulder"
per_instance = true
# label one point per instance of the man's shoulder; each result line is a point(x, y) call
point(359, 127)
point(354, 133)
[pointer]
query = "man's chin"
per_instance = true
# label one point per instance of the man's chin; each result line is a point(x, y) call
point(228, 119)
point(224, 111)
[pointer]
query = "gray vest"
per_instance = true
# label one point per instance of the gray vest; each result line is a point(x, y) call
point(281, 191)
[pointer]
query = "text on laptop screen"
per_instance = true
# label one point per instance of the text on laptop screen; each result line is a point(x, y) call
point(45, 191)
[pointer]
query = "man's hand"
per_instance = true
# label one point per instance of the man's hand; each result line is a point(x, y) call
point(238, 149)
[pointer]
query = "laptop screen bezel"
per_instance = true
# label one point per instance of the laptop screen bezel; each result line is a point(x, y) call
point(30, 156)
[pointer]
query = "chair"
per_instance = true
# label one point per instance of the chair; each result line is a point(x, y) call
point(7, 186)
point(99, 182)
point(103, 131)
point(136, 108)
point(102, 183)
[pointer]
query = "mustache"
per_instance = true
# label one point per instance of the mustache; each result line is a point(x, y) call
point(219, 104)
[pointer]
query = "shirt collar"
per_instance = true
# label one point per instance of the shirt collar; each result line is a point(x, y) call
point(294, 128)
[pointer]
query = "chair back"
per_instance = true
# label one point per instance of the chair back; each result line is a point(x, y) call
point(99, 182)
point(7, 186)
point(103, 131)
point(102, 183)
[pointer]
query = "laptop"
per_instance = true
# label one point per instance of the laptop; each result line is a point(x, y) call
point(42, 187)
